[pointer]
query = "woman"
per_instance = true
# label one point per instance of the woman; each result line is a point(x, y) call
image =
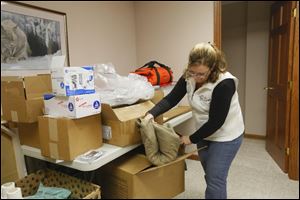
point(212, 95)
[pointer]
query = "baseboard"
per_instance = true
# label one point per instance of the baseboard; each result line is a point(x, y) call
point(255, 136)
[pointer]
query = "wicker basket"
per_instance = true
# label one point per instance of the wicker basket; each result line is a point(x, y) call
point(80, 189)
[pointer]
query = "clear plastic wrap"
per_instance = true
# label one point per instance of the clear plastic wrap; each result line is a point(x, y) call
point(120, 90)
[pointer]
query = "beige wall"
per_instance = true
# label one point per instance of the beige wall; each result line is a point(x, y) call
point(128, 34)
point(99, 32)
point(257, 67)
point(234, 33)
point(167, 31)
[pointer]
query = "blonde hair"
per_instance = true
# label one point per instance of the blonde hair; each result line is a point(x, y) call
point(209, 55)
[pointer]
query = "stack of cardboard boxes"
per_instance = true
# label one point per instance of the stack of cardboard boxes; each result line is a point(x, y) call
point(72, 124)
point(22, 103)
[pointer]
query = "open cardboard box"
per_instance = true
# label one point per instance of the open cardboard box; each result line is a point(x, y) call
point(22, 97)
point(122, 121)
point(133, 176)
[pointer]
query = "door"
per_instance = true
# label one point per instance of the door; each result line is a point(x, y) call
point(279, 85)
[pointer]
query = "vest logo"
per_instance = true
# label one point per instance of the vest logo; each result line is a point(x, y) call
point(204, 98)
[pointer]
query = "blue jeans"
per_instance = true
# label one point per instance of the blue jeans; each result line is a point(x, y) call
point(216, 160)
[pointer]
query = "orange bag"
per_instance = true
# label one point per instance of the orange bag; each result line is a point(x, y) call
point(156, 73)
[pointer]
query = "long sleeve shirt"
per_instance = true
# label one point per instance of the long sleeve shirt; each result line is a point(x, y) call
point(218, 110)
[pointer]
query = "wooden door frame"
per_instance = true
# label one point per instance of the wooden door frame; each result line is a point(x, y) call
point(293, 166)
point(217, 24)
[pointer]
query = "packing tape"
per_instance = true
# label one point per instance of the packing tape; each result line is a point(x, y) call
point(53, 136)
point(53, 147)
point(14, 116)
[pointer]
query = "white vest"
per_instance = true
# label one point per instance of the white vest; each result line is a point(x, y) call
point(199, 101)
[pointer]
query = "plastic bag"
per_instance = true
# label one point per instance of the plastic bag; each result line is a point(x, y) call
point(119, 90)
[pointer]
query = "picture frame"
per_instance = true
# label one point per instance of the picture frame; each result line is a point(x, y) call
point(31, 37)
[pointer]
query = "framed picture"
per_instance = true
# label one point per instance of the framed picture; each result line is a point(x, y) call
point(31, 37)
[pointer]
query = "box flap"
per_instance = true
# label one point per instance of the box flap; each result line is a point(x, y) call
point(133, 111)
point(107, 112)
point(27, 86)
point(135, 164)
point(11, 78)
point(36, 86)
point(12, 87)
point(158, 95)
point(176, 112)
point(126, 113)
point(178, 159)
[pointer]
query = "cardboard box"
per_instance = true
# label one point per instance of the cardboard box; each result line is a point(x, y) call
point(69, 81)
point(64, 139)
point(29, 134)
point(172, 113)
point(158, 96)
point(73, 106)
point(134, 177)
point(22, 97)
point(122, 122)
point(175, 112)
point(9, 170)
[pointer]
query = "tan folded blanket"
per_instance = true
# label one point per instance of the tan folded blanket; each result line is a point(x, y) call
point(160, 141)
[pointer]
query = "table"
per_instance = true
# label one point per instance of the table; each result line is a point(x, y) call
point(111, 152)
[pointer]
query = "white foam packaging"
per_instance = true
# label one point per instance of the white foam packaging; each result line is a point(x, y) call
point(73, 106)
point(69, 81)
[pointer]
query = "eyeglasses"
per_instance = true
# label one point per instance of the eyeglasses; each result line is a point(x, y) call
point(198, 75)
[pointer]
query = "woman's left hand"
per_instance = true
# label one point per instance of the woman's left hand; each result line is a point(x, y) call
point(185, 140)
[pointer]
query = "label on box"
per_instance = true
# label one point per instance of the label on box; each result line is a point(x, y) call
point(69, 81)
point(73, 106)
point(106, 132)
